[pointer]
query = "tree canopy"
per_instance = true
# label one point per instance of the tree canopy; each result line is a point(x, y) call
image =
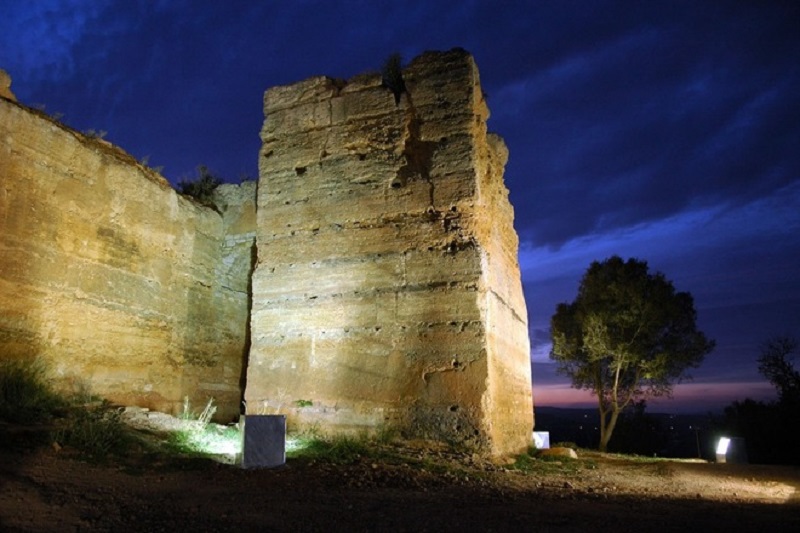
point(627, 336)
point(775, 363)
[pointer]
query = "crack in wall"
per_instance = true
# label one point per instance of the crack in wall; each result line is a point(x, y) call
point(418, 155)
point(507, 306)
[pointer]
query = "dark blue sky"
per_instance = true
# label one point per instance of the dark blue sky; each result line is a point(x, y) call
point(663, 130)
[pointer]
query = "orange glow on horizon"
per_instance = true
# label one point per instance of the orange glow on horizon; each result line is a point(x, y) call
point(686, 397)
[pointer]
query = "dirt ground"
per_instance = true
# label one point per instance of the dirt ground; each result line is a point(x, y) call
point(422, 488)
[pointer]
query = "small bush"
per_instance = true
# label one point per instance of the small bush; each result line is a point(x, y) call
point(202, 188)
point(197, 423)
point(96, 134)
point(25, 395)
point(386, 434)
point(392, 76)
point(96, 430)
point(200, 438)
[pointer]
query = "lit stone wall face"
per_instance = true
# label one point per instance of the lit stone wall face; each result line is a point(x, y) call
point(124, 287)
point(387, 291)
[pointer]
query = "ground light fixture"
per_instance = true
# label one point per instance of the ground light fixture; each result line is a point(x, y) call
point(731, 450)
point(722, 449)
point(225, 444)
point(541, 440)
point(263, 441)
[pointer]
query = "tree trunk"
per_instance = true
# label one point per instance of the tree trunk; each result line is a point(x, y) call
point(607, 428)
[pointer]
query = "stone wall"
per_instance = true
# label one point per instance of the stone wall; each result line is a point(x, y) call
point(123, 286)
point(387, 291)
point(386, 294)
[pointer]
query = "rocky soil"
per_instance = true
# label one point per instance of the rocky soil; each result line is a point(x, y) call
point(415, 487)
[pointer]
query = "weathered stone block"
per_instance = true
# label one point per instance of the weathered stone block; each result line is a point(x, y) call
point(387, 290)
point(312, 89)
point(120, 284)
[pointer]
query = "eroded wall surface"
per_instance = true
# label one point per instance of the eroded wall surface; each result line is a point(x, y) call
point(123, 286)
point(387, 291)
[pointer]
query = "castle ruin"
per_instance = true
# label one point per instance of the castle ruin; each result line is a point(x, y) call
point(369, 280)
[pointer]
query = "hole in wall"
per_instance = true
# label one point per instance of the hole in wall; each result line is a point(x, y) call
point(300, 170)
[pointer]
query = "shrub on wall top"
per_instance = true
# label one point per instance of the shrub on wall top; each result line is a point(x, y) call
point(202, 188)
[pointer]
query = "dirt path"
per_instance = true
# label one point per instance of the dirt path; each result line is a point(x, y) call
point(45, 490)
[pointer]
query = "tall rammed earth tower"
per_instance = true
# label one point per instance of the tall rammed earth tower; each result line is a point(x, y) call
point(387, 289)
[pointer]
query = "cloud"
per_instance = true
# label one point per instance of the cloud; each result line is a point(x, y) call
point(740, 263)
point(759, 223)
point(666, 114)
point(37, 42)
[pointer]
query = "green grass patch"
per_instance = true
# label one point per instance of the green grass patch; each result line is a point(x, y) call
point(25, 394)
point(534, 462)
point(211, 440)
point(96, 431)
point(343, 449)
point(200, 438)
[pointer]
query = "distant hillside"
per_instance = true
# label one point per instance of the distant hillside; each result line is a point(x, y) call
point(661, 434)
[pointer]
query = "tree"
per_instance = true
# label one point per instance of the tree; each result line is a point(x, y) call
point(627, 336)
point(775, 364)
point(639, 432)
point(770, 429)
